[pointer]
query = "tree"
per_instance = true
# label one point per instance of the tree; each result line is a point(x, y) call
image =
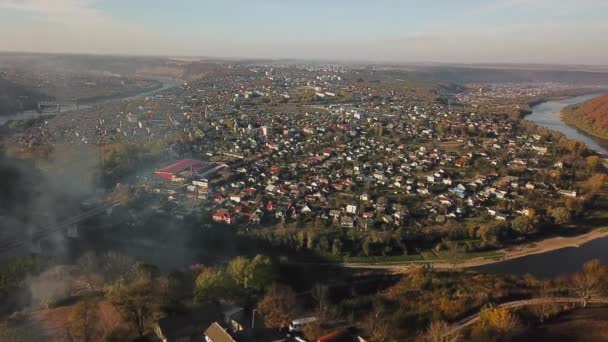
point(278, 306)
point(544, 310)
point(597, 182)
point(212, 284)
point(52, 285)
point(523, 225)
point(593, 162)
point(440, 331)
point(136, 298)
point(83, 321)
point(320, 294)
point(560, 215)
point(9, 334)
point(256, 274)
point(336, 248)
point(262, 273)
point(454, 254)
point(590, 282)
point(500, 320)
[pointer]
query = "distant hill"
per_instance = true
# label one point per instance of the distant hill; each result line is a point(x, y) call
point(590, 116)
point(15, 98)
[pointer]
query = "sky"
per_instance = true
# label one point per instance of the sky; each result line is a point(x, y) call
point(444, 31)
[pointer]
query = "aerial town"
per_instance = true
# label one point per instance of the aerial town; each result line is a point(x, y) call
point(313, 164)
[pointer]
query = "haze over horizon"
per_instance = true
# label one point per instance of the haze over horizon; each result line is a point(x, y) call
point(466, 31)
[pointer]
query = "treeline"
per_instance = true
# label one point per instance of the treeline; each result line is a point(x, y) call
point(590, 116)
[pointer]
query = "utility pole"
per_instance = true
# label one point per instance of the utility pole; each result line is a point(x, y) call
point(253, 318)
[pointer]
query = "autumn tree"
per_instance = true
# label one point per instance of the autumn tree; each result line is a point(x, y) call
point(83, 321)
point(591, 282)
point(593, 162)
point(597, 182)
point(560, 215)
point(10, 334)
point(136, 297)
point(440, 331)
point(278, 306)
point(499, 320)
point(524, 225)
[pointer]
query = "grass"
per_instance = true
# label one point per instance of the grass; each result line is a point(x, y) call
point(426, 256)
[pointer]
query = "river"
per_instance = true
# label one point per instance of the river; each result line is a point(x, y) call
point(32, 114)
point(547, 114)
point(566, 260)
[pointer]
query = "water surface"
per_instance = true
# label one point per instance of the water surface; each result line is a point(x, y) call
point(547, 114)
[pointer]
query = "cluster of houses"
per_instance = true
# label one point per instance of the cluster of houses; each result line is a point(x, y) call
point(226, 322)
point(362, 166)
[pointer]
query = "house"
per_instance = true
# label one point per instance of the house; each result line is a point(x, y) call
point(351, 209)
point(270, 206)
point(222, 216)
point(340, 336)
point(215, 333)
point(254, 219)
point(187, 326)
point(346, 222)
point(568, 193)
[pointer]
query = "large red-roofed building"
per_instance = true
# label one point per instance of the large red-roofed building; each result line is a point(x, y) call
point(172, 172)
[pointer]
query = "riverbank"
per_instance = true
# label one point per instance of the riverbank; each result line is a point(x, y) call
point(569, 116)
point(547, 115)
point(540, 247)
point(498, 256)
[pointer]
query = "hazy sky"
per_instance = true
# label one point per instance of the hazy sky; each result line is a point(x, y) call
point(516, 31)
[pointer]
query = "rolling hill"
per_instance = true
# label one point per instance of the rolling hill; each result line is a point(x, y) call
point(590, 116)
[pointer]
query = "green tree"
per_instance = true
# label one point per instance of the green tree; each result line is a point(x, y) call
point(524, 225)
point(211, 285)
point(263, 273)
point(336, 248)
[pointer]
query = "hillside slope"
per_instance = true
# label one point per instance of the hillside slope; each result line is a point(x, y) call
point(590, 116)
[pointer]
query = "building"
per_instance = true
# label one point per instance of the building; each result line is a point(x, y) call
point(340, 336)
point(222, 216)
point(215, 333)
point(187, 326)
point(180, 170)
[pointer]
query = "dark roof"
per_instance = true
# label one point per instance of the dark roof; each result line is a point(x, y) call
point(216, 333)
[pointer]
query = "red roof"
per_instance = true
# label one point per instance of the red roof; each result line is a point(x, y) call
point(181, 165)
point(338, 336)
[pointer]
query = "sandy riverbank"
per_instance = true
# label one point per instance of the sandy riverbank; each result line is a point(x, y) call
point(539, 247)
point(543, 246)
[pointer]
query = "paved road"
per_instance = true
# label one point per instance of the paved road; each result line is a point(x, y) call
point(465, 322)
